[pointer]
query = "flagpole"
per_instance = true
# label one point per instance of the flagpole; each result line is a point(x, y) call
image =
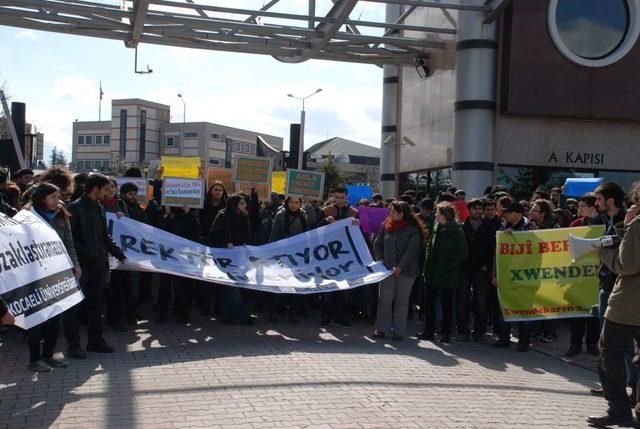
point(100, 104)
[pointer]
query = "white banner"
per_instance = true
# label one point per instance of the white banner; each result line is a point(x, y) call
point(334, 257)
point(36, 273)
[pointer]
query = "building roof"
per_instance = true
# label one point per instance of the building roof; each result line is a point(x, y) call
point(338, 146)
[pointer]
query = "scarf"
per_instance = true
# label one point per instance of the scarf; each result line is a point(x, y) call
point(112, 202)
point(47, 214)
point(393, 226)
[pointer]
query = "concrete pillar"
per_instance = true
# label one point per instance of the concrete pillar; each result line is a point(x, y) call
point(390, 127)
point(475, 105)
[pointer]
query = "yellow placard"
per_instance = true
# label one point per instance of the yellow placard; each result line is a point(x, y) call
point(537, 278)
point(187, 167)
point(278, 182)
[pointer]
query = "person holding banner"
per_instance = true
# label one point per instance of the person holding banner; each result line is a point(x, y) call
point(514, 221)
point(621, 319)
point(231, 228)
point(129, 196)
point(398, 246)
point(290, 220)
point(6, 318)
point(93, 244)
point(45, 201)
point(446, 251)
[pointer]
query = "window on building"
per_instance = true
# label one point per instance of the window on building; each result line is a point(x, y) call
point(191, 135)
point(106, 139)
point(170, 142)
point(143, 134)
point(122, 150)
point(247, 148)
point(214, 162)
point(215, 136)
point(88, 165)
point(88, 139)
point(80, 139)
point(98, 139)
point(238, 147)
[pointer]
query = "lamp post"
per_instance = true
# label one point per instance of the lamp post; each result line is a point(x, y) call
point(302, 118)
point(184, 114)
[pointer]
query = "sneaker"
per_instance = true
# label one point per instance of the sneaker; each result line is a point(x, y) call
point(378, 334)
point(40, 366)
point(574, 350)
point(76, 352)
point(426, 336)
point(56, 363)
point(100, 346)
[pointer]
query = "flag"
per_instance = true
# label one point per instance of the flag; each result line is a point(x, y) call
point(101, 93)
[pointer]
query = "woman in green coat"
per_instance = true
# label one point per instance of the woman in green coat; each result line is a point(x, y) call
point(446, 251)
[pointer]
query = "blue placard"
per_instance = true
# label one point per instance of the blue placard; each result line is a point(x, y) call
point(578, 186)
point(358, 192)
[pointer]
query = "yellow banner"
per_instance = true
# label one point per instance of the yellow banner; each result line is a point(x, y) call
point(187, 167)
point(537, 279)
point(278, 182)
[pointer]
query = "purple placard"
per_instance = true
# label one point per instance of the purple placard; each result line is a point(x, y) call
point(372, 218)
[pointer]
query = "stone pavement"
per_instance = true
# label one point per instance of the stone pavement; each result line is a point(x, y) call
point(292, 376)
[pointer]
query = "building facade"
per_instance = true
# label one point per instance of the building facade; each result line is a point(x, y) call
point(546, 91)
point(140, 132)
point(359, 163)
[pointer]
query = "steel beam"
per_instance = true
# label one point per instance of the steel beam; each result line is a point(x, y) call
point(137, 26)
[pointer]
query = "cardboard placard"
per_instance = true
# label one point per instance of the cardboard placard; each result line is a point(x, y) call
point(307, 184)
point(179, 191)
point(140, 182)
point(188, 167)
point(263, 190)
point(252, 169)
point(372, 218)
point(225, 175)
point(278, 182)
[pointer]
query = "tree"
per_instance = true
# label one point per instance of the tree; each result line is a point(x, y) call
point(57, 158)
point(332, 176)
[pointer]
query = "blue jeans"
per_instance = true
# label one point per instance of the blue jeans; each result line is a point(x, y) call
point(629, 354)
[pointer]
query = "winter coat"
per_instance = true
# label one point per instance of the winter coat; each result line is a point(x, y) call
point(155, 213)
point(119, 206)
point(399, 249)
point(624, 301)
point(136, 212)
point(62, 226)
point(446, 251)
point(182, 224)
point(482, 244)
point(231, 228)
point(339, 213)
point(606, 276)
point(208, 215)
point(91, 238)
point(5, 208)
point(287, 224)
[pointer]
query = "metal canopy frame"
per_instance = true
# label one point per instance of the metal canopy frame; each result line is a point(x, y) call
point(288, 37)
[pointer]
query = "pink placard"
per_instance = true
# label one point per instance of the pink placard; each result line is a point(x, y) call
point(372, 218)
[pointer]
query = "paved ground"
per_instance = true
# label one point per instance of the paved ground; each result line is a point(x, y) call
point(213, 375)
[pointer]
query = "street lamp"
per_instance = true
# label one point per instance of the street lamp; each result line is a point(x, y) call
point(302, 118)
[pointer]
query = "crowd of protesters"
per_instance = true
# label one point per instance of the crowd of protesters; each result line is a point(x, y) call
point(441, 250)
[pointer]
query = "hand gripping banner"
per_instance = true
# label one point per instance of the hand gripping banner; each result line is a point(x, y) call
point(334, 257)
point(36, 274)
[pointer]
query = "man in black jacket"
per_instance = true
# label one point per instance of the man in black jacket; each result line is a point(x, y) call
point(129, 194)
point(476, 274)
point(5, 208)
point(93, 244)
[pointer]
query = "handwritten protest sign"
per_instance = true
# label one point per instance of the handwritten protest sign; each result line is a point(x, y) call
point(301, 183)
point(141, 183)
point(178, 192)
point(536, 276)
point(263, 190)
point(372, 218)
point(225, 175)
point(188, 167)
point(252, 169)
point(278, 182)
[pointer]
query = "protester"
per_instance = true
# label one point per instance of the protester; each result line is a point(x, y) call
point(446, 251)
point(60, 177)
point(476, 274)
point(542, 215)
point(92, 244)
point(426, 215)
point(6, 318)
point(24, 178)
point(79, 183)
point(290, 220)
point(215, 201)
point(5, 208)
point(491, 214)
point(621, 318)
point(232, 228)
point(129, 196)
point(335, 305)
point(397, 245)
point(514, 221)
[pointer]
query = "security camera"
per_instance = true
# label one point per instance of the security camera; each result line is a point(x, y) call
point(423, 67)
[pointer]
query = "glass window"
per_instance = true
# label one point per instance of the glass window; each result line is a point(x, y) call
point(106, 139)
point(622, 178)
point(215, 136)
point(592, 29)
point(247, 148)
point(80, 139)
point(87, 165)
point(214, 162)
point(170, 142)
point(122, 150)
point(98, 139)
point(238, 147)
point(88, 139)
point(191, 134)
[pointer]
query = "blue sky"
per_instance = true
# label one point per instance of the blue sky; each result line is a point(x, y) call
point(58, 76)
